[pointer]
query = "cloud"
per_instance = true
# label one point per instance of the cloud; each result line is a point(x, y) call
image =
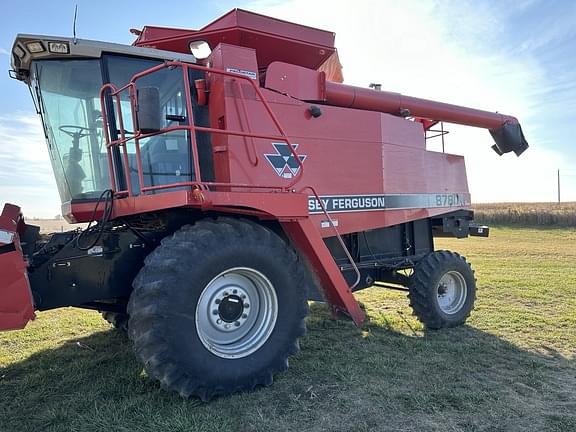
point(26, 177)
point(453, 52)
point(4, 51)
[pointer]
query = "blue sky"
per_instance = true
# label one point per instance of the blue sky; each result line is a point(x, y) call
point(517, 57)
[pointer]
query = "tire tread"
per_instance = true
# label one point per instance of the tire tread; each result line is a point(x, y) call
point(149, 303)
point(419, 294)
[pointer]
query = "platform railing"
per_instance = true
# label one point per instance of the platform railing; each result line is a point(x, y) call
point(112, 91)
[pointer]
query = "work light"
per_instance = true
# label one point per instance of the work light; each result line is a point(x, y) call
point(35, 47)
point(59, 47)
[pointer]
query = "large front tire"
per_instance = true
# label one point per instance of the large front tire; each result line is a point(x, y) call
point(442, 290)
point(218, 307)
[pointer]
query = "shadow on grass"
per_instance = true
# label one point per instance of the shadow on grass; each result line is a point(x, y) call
point(390, 375)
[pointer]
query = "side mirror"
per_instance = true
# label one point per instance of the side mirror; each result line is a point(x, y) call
point(149, 113)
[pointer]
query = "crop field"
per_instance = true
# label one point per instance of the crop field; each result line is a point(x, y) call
point(53, 225)
point(511, 368)
point(527, 214)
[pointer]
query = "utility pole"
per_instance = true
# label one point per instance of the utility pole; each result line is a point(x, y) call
point(558, 186)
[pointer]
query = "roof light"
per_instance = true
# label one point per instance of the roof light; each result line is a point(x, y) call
point(59, 47)
point(19, 51)
point(35, 47)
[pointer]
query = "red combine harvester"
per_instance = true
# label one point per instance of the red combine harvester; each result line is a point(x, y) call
point(224, 191)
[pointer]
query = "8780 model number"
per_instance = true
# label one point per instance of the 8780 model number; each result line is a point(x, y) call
point(449, 200)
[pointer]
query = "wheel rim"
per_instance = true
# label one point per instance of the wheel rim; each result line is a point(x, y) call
point(236, 312)
point(452, 292)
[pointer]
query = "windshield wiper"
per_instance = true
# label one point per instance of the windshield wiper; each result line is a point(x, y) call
point(34, 99)
point(41, 108)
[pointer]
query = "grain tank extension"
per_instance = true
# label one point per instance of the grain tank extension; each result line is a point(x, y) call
point(226, 188)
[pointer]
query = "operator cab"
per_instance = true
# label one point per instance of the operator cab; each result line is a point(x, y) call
point(65, 78)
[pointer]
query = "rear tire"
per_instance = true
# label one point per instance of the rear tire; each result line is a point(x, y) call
point(218, 308)
point(442, 290)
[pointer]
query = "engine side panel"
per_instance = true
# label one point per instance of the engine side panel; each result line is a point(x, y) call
point(350, 157)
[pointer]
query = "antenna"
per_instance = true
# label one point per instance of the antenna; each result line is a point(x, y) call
point(74, 25)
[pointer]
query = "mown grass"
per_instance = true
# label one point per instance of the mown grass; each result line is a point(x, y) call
point(527, 214)
point(511, 368)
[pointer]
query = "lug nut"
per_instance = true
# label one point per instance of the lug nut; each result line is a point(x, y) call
point(218, 321)
point(246, 305)
point(234, 291)
point(244, 316)
point(215, 312)
point(217, 301)
point(226, 326)
point(242, 296)
point(237, 324)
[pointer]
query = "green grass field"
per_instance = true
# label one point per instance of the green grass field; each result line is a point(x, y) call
point(512, 368)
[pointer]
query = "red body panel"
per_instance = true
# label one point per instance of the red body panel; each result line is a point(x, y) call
point(348, 152)
point(338, 294)
point(274, 39)
point(16, 307)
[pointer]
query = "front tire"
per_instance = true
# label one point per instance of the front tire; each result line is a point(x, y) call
point(218, 308)
point(442, 290)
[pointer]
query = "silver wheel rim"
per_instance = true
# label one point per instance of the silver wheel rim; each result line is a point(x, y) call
point(452, 292)
point(236, 312)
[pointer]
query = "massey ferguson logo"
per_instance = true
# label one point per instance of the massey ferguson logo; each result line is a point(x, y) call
point(283, 161)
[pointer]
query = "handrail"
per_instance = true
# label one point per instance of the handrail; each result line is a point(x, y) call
point(115, 92)
point(191, 127)
point(245, 114)
point(338, 236)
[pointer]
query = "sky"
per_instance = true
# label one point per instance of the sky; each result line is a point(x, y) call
point(514, 57)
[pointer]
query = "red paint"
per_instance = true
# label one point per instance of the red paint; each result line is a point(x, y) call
point(16, 308)
point(201, 97)
point(273, 39)
point(304, 234)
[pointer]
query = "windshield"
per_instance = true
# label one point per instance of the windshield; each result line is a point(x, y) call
point(68, 96)
point(68, 93)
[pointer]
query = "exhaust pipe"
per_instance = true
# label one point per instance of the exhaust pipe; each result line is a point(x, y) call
point(16, 304)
